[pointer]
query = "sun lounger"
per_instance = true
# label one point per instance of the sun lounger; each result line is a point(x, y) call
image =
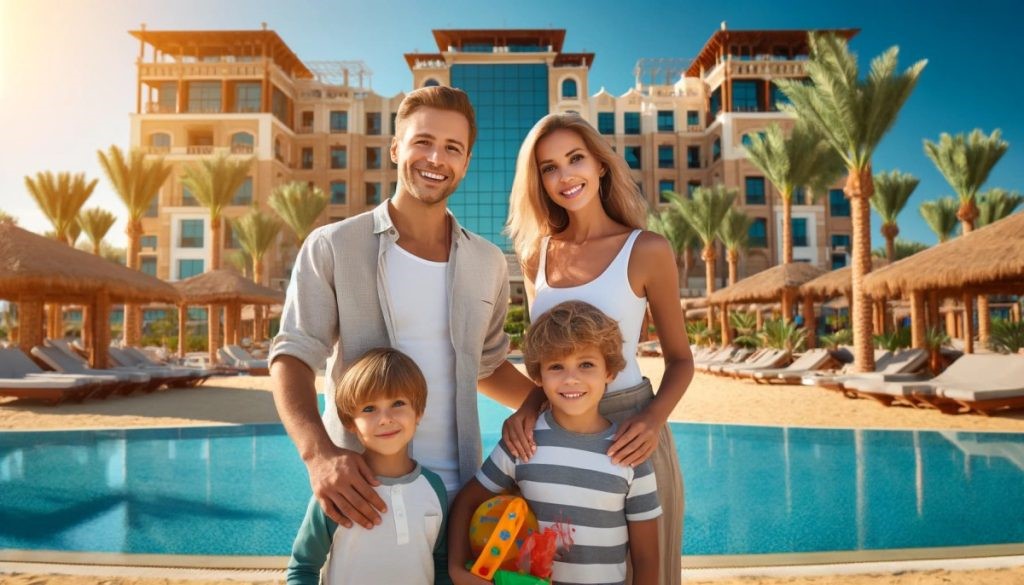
point(894, 367)
point(972, 371)
point(772, 359)
point(15, 365)
point(812, 360)
point(134, 380)
point(983, 383)
point(50, 390)
point(738, 356)
point(174, 378)
point(239, 358)
point(139, 358)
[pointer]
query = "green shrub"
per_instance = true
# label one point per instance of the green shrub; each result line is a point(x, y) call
point(834, 340)
point(1006, 336)
point(779, 334)
point(893, 340)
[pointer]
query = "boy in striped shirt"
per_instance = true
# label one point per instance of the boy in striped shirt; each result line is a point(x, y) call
point(572, 351)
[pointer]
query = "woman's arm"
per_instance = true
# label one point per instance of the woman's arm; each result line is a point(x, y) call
point(653, 264)
point(643, 550)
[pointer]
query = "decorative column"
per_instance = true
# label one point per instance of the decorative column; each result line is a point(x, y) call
point(917, 317)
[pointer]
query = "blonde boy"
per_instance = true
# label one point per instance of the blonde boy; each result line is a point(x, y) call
point(572, 351)
point(380, 399)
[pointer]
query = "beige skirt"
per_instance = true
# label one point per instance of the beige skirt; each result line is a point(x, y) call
point(620, 406)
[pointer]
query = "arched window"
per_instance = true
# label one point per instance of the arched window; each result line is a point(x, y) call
point(242, 143)
point(569, 88)
point(160, 142)
point(278, 150)
point(431, 82)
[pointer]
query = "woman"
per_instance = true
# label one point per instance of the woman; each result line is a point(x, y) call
point(576, 220)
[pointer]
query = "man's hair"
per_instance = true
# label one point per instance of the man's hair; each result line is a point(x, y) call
point(567, 328)
point(379, 374)
point(438, 97)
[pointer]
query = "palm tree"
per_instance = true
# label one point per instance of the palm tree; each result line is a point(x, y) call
point(804, 159)
point(892, 191)
point(899, 250)
point(735, 235)
point(669, 223)
point(61, 197)
point(136, 179)
point(299, 205)
point(997, 203)
point(214, 183)
point(965, 162)
point(705, 214)
point(96, 222)
point(940, 215)
point(853, 115)
point(256, 232)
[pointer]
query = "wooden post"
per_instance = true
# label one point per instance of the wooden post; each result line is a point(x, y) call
point(810, 322)
point(1015, 312)
point(917, 317)
point(30, 325)
point(229, 324)
point(934, 303)
point(787, 306)
point(86, 324)
point(758, 318)
point(236, 319)
point(968, 323)
point(257, 323)
point(101, 330)
point(984, 320)
point(213, 326)
point(951, 324)
point(182, 329)
point(724, 321)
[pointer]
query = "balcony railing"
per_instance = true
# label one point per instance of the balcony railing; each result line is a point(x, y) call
point(159, 108)
point(209, 69)
point(199, 149)
point(159, 150)
point(241, 149)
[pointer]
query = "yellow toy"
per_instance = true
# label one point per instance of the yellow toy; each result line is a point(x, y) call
point(496, 533)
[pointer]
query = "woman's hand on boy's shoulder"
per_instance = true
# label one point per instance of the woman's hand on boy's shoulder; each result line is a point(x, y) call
point(517, 430)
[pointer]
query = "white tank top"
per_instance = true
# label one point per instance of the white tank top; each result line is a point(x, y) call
point(611, 293)
point(418, 293)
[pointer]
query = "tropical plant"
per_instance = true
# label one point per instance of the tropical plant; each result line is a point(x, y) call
point(853, 115)
point(935, 338)
point(893, 340)
point(699, 333)
point(900, 249)
point(516, 322)
point(680, 235)
point(214, 182)
point(61, 197)
point(965, 162)
point(940, 215)
point(836, 339)
point(705, 213)
point(803, 159)
point(240, 261)
point(782, 334)
point(996, 204)
point(735, 235)
point(1007, 336)
point(745, 325)
point(299, 205)
point(96, 222)
point(256, 232)
point(892, 191)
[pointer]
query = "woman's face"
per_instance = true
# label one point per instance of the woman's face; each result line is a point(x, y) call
point(570, 173)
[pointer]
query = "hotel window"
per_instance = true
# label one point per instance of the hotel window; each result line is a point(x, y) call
point(191, 233)
point(307, 158)
point(838, 261)
point(841, 241)
point(339, 122)
point(716, 149)
point(339, 157)
point(716, 102)
point(666, 121)
point(189, 268)
point(838, 204)
point(755, 194)
point(799, 196)
point(394, 123)
point(745, 96)
point(431, 83)
point(204, 96)
point(373, 193)
point(759, 233)
point(632, 122)
point(154, 207)
point(569, 88)
point(167, 97)
point(665, 185)
point(666, 156)
point(691, 187)
point(307, 119)
point(339, 193)
point(247, 97)
point(373, 123)
point(799, 232)
point(693, 157)
point(632, 155)
point(606, 122)
point(279, 105)
point(187, 200)
point(692, 118)
point(148, 242)
point(373, 157)
point(148, 265)
point(243, 196)
point(160, 143)
point(242, 143)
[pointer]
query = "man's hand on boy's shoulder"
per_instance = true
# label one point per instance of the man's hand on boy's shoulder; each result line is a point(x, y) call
point(343, 485)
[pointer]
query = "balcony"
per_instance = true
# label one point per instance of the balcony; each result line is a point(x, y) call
point(241, 149)
point(201, 149)
point(175, 71)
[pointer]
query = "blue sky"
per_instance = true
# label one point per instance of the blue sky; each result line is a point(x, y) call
point(67, 76)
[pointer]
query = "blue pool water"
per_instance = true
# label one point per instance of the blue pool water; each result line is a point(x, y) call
point(243, 490)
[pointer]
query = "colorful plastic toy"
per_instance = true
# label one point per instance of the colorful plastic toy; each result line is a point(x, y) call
point(483, 528)
point(501, 544)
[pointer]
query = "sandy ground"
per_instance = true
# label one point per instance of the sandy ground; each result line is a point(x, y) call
point(239, 400)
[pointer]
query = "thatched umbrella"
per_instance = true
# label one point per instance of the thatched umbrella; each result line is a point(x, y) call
point(839, 283)
point(217, 288)
point(772, 285)
point(36, 270)
point(989, 260)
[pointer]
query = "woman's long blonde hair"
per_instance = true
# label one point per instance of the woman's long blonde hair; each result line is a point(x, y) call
point(533, 215)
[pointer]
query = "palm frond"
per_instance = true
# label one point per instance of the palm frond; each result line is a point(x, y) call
point(996, 204)
point(256, 232)
point(61, 197)
point(892, 191)
point(965, 161)
point(299, 205)
point(735, 230)
point(214, 181)
point(706, 211)
point(96, 222)
point(940, 215)
point(136, 179)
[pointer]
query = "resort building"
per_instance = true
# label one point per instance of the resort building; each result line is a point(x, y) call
point(683, 124)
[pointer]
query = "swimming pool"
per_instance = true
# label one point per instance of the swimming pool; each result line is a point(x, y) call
point(241, 490)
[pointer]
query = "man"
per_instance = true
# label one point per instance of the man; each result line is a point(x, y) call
point(404, 275)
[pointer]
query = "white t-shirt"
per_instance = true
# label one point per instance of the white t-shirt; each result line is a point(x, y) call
point(418, 291)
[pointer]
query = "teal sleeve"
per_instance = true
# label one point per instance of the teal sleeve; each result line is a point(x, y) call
point(441, 576)
point(312, 545)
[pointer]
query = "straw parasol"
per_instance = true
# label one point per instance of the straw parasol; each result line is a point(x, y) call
point(216, 288)
point(989, 260)
point(35, 270)
point(837, 283)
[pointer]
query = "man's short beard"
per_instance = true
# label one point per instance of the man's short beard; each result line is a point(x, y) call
point(410, 185)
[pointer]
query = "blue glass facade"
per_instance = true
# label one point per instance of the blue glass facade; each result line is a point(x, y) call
point(508, 99)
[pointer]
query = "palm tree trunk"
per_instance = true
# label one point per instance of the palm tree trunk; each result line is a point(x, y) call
point(708, 255)
point(724, 319)
point(132, 312)
point(858, 189)
point(684, 276)
point(810, 322)
point(968, 214)
point(257, 310)
point(787, 305)
point(182, 329)
point(889, 232)
point(917, 319)
point(787, 228)
point(733, 258)
point(215, 243)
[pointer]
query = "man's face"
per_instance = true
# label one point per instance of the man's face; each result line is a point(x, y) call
point(432, 154)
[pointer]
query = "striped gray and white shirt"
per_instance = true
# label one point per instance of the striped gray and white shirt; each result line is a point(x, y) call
point(571, 479)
